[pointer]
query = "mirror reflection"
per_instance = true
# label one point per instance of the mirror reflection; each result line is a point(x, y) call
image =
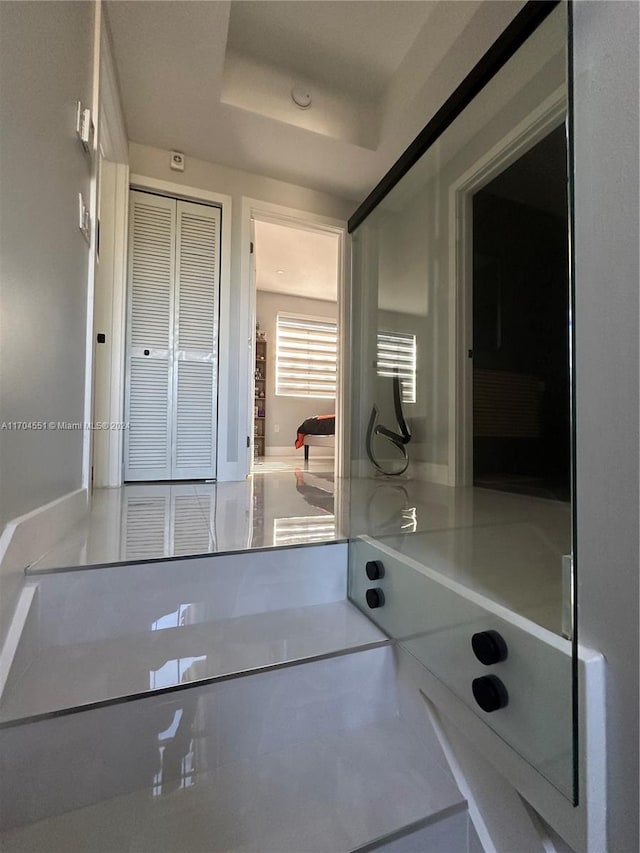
point(462, 307)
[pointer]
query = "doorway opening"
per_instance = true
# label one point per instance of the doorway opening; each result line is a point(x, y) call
point(521, 326)
point(295, 380)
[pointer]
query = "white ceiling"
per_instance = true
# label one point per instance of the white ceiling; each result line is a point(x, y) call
point(296, 262)
point(214, 79)
point(351, 45)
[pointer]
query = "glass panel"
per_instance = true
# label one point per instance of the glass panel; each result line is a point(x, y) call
point(461, 449)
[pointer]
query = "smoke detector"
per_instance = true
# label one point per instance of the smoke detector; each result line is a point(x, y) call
point(301, 97)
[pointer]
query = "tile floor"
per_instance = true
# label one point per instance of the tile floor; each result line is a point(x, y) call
point(280, 504)
point(90, 672)
point(505, 545)
point(297, 759)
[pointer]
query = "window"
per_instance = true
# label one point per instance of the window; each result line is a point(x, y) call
point(397, 354)
point(306, 356)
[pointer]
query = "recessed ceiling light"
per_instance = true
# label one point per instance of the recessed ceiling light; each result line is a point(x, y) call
point(280, 272)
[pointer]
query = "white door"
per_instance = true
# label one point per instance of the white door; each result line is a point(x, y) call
point(172, 335)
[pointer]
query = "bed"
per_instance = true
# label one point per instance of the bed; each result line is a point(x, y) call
point(316, 431)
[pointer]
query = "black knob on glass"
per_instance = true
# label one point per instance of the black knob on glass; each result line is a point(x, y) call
point(490, 693)
point(375, 598)
point(146, 352)
point(374, 570)
point(489, 647)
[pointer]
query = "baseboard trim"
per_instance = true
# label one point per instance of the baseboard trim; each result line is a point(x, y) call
point(432, 472)
point(327, 451)
point(27, 538)
point(14, 634)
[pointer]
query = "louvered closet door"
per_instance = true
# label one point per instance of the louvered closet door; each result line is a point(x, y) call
point(196, 341)
point(152, 232)
point(172, 339)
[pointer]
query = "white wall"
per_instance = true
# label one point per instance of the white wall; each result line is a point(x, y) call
point(46, 65)
point(605, 90)
point(288, 412)
point(46, 61)
point(154, 163)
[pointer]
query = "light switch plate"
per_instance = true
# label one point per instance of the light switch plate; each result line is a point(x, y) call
point(84, 126)
point(84, 220)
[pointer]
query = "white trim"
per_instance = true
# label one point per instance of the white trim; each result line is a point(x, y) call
point(225, 470)
point(431, 472)
point(541, 121)
point(118, 324)
point(110, 313)
point(113, 133)
point(14, 634)
point(303, 219)
point(112, 210)
point(289, 451)
point(183, 192)
point(87, 439)
point(26, 538)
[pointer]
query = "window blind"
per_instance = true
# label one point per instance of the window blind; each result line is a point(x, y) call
point(397, 355)
point(306, 356)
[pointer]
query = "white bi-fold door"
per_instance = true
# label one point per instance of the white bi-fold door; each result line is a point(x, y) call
point(172, 339)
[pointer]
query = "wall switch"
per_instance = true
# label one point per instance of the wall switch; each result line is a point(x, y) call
point(84, 220)
point(276, 427)
point(84, 126)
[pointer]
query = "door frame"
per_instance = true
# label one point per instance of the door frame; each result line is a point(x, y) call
point(549, 115)
point(110, 319)
point(103, 450)
point(254, 209)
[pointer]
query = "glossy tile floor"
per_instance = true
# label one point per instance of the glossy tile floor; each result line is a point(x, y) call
point(129, 630)
point(90, 672)
point(331, 755)
point(279, 504)
point(504, 545)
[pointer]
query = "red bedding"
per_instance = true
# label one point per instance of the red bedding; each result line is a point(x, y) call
point(317, 425)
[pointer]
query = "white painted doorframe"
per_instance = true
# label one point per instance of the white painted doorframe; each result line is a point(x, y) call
point(541, 121)
point(106, 394)
point(253, 209)
point(110, 312)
